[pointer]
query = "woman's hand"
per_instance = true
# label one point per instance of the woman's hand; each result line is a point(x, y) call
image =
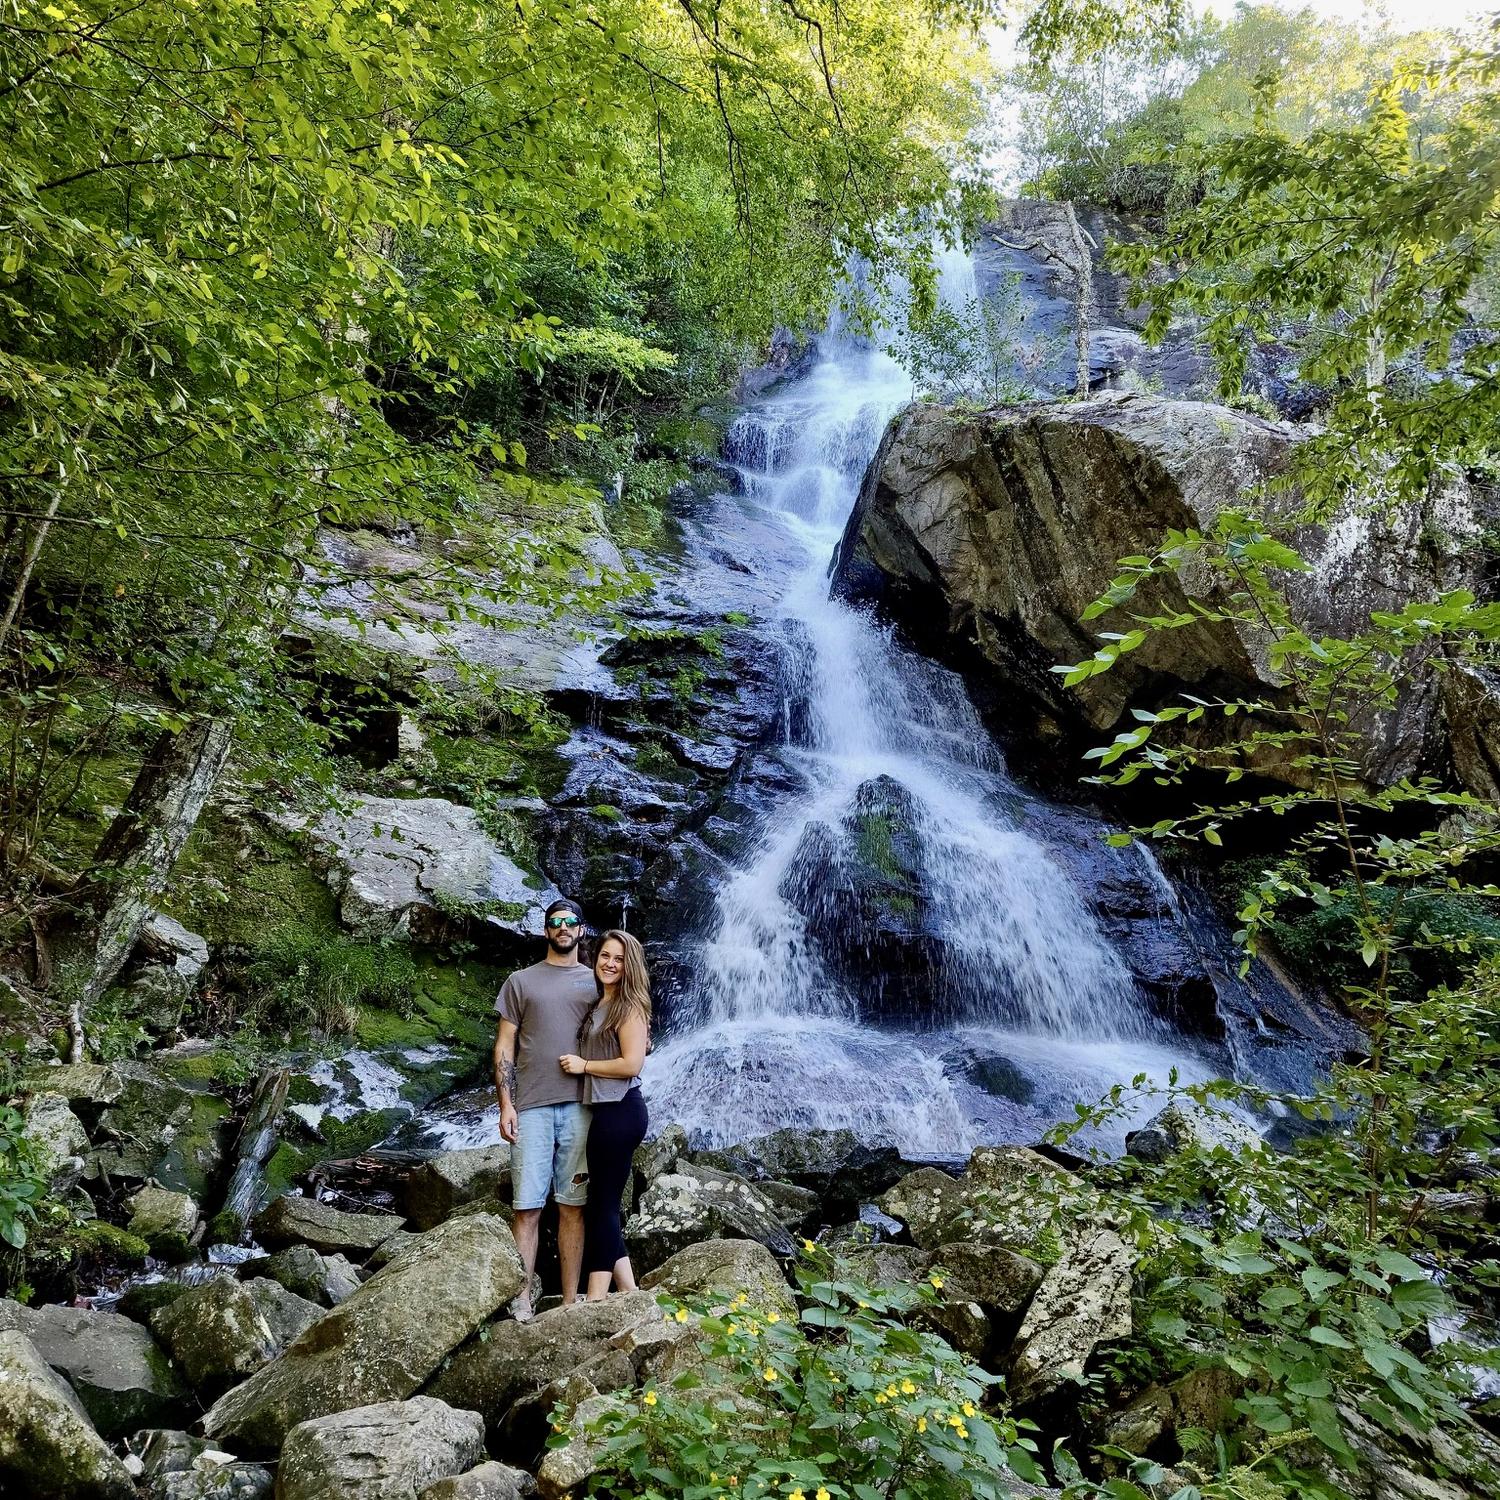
point(571, 1062)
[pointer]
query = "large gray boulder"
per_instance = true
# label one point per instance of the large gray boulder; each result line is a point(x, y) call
point(835, 1164)
point(453, 1179)
point(696, 1203)
point(389, 1450)
point(1183, 1125)
point(216, 1334)
point(124, 1380)
point(512, 1360)
point(383, 1342)
point(293, 1220)
point(216, 1476)
point(989, 534)
point(57, 1139)
point(47, 1445)
point(1083, 1301)
point(397, 863)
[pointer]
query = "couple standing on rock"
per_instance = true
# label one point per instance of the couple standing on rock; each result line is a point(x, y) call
point(568, 1055)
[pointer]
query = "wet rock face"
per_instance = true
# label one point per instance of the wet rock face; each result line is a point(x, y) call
point(988, 536)
point(863, 892)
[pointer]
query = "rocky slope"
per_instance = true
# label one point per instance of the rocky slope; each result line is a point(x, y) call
point(987, 535)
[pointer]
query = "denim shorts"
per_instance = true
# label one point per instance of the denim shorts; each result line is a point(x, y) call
point(550, 1151)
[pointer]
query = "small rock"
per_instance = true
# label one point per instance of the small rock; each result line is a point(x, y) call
point(58, 1139)
point(1183, 1124)
point(490, 1481)
point(216, 1334)
point(47, 1445)
point(393, 1450)
point(163, 1450)
point(216, 1476)
point(324, 1279)
point(661, 1154)
point(292, 1220)
point(165, 1220)
point(287, 1315)
point(113, 1364)
point(455, 1178)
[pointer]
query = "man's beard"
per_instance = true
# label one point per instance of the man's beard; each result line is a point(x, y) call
point(562, 942)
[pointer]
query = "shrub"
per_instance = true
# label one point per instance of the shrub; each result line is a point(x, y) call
point(300, 980)
point(849, 1401)
point(22, 1184)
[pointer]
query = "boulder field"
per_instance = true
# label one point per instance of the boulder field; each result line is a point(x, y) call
point(371, 1358)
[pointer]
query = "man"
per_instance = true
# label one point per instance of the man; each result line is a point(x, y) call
point(541, 1109)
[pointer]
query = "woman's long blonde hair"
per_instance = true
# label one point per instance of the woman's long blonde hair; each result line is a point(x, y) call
point(633, 993)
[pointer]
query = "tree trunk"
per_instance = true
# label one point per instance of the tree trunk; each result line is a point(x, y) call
point(257, 1138)
point(1083, 264)
point(138, 853)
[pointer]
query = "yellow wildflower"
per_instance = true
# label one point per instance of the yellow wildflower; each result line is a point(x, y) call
point(921, 1424)
point(881, 1398)
point(796, 1495)
point(649, 1398)
point(681, 1315)
point(773, 1317)
point(733, 1328)
point(891, 1391)
point(937, 1281)
point(968, 1408)
point(734, 1479)
point(822, 1494)
point(954, 1420)
point(961, 1430)
point(908, 1389)
point(809, 1247)
point(864, 1304)
point(769, 1375)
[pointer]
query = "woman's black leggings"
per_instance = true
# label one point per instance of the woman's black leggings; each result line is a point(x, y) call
point(615, 1130)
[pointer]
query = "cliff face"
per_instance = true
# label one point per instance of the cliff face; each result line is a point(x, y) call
point(988, 535)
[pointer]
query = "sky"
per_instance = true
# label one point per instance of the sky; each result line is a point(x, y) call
point(1408, 15)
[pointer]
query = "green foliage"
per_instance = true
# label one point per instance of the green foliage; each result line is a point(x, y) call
point(1375, 234)
point(297, 981)
point(22, 1184)
point(854, 1400)
point(982, 352)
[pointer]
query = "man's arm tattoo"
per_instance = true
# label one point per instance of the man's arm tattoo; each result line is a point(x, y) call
point(508, 1076)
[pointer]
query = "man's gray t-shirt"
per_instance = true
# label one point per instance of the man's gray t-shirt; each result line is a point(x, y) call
point(547, 1004)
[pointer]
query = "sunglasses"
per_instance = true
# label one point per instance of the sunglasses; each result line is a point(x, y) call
point(556, 922)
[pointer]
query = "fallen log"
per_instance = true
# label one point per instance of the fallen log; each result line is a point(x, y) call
point(256, 1141)
point(374, 1176)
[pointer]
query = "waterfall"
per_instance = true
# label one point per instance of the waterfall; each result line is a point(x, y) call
point(772, 1033)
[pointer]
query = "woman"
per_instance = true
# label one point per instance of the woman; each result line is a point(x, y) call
point(611, 1048)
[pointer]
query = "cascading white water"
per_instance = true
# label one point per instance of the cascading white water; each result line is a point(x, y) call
point(768, 1037)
